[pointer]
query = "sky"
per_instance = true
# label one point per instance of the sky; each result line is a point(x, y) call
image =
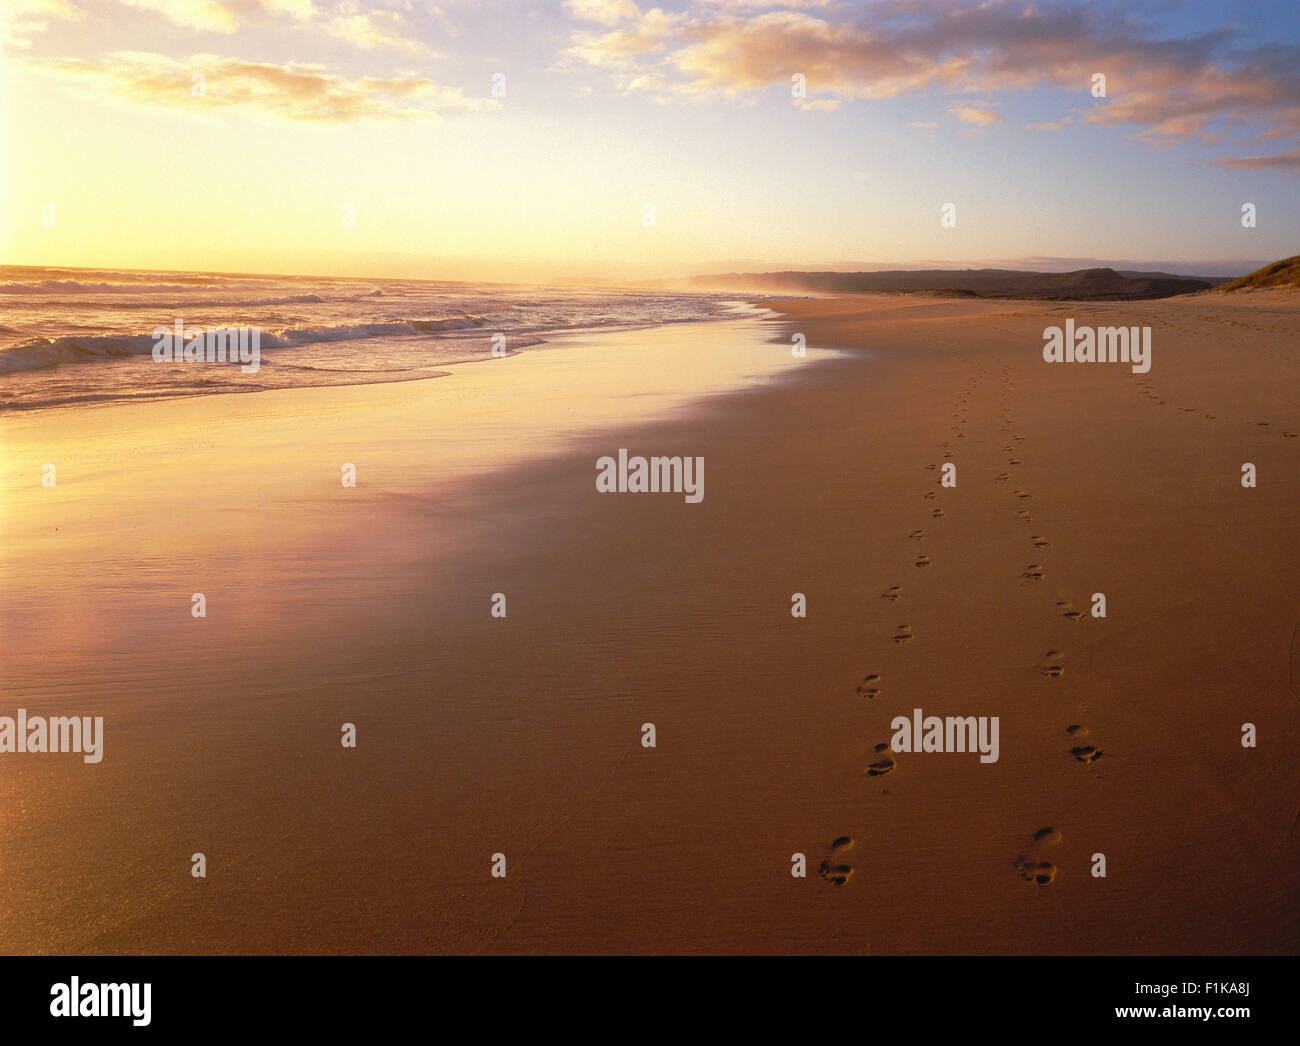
point(612, 139)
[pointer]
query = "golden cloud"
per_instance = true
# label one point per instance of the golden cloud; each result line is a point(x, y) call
point(1172, 89)
point(303, 93)
point(975, 117)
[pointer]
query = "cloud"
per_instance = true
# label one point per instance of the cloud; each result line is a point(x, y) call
point(300, 9)
point(1190, 88)
point(759, 5)
point(222, 16)
point(367, 30)
point(625, 49)
point(734, 55)
point(42, 8)
point(295, 92)
point(1289, 161)
point(26, 18)
point(208, 15)
point(821, 104)
point(606, 12)
point(378, 30)
point(976, 117)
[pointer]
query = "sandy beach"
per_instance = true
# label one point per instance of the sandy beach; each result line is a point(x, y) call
point(522, 735)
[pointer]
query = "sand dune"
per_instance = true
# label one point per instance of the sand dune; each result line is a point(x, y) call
point(1280, 274)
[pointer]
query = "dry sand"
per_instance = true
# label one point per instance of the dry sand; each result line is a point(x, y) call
point(522, 736)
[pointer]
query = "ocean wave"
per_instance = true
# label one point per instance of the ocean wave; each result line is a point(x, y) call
point(326, 331)
point(226, 303)
point(91, 348)
point(214, 303)
point(50, 352)
point(285, 337)
point(78, 287)
point(293, 299)
point(454, 323)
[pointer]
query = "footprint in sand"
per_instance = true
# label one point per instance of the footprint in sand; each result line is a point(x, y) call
point(885, 764)
point(1083, 751)
point(1033, 572)
point(931, 468)
point(917, 535)
point(1013, 461)
point(1022, 494)
point(1051, 665)
point(1004, 476)
point(1039, 541)
point(836, 874)
point(892, 592)
point(1023, 516)
point(923, 561)
point(931, 496)
point(904, 633)
point(1031, 866)
point(1291, 435)
point(1069, 610)
point(869, 687)
point(1040, 872)
point(937, 513)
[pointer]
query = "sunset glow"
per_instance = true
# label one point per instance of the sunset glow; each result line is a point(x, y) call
point(485, 140)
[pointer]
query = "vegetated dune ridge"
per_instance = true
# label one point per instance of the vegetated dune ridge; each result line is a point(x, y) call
point(1284, 273)
point(1079, 285)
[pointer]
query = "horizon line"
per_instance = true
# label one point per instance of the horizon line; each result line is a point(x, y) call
point(1227, 268)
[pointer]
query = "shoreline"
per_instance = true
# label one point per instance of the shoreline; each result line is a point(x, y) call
point(531, 340)
point(522, 735)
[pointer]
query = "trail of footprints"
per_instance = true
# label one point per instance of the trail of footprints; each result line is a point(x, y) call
point(1031, 863)
point(883, 760)
point(1147, 390)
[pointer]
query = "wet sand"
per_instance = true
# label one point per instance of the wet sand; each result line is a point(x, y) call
point(522, 735)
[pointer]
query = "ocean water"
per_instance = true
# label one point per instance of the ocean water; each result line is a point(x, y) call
point(79, 336)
